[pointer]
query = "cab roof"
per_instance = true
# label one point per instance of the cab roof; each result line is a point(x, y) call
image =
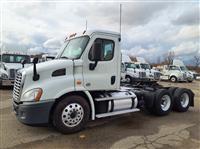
point(91, 32)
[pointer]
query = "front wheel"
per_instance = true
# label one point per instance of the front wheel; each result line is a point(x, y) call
point(173, 79)
point(71, 114)
point(129, 79)
point(190, 80)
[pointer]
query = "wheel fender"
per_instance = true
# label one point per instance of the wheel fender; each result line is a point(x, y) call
point(91, 104)
point(172, 75)
point(88, 95)
point(149, 98)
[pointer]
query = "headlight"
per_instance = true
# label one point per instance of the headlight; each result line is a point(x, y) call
point(4, 76)
point(32, 95)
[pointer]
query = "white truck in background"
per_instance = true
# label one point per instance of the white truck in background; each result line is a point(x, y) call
point(151, 74)
point(143, 65)
point(84, 83)
point(174, 74)
point(133, 73)
point(11, 62)
point(130, 71)
point(191, 75)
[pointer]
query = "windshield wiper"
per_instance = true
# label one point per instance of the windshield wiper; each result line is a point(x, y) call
point(64, 57)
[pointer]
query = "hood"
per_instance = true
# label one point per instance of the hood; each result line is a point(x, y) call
point(15, 65)
point(48, 65)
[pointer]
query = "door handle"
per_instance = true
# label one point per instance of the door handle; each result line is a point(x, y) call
point(113, 78)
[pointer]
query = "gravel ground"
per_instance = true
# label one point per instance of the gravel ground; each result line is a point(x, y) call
point(136, 130)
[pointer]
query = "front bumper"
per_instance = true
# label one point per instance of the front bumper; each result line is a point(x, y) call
point(33, 113)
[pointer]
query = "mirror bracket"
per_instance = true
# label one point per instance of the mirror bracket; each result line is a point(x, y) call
point(92, 66)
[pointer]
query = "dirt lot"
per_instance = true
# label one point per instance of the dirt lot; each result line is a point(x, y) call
point(136, 130)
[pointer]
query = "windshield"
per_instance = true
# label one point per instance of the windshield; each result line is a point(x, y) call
point(174, 68)
point(145, 66)
point(74, 48)
point(10, 58)
point(131, 65)
point(183, 68)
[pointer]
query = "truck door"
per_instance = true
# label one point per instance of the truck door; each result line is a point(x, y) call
point(106, 75)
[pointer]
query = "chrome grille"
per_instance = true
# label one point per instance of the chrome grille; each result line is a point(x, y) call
point(17, 87)
point(156, 75)
point(12, 73)
point(142, 74)
point(184, 76)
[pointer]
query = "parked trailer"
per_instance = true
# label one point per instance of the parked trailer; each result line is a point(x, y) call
point(83, 83)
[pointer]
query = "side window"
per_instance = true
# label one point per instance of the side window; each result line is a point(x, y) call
point(107, 49)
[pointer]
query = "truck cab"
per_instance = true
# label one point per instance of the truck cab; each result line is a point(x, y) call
point(173, 73)
point(191, 75)
point(150, 73)
point(10, 64)
point(83, 83)
point(134, 73)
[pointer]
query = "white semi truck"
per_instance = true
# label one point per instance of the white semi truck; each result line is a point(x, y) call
point(143, 65)
point(83, 83)
point(191, 75)
point(175, 74)
point(10, 63)
point(133, 73)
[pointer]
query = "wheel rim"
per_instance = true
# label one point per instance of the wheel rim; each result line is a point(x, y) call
point(165, 102)
point(173, 79)
point(128, 79)
point(184, 100)
point(72, 115)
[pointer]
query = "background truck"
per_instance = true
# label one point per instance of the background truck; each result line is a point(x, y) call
point(173, 73)
point(152, 74)
point(133, 73)
point(10, 63)
point(191, 75)
point(130, 72)
point(84, 83)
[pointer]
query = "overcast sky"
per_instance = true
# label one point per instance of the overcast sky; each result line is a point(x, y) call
point(149, 29)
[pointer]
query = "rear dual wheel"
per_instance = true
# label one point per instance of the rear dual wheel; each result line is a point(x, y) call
point(182, 99)
point(163, 102)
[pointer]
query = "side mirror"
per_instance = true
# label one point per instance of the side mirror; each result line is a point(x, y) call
point(36, 76)
point(35, 60)
point(23, 62)
point(96, 54)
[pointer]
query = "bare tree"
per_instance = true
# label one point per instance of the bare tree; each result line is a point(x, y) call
point(197, 60)
point(169, 57)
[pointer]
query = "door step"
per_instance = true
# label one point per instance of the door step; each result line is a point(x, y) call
point(117, 113)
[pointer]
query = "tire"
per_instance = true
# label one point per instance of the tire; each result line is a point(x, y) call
point(163, 102)
point(129, 79)
point(173, 79)
point(172, 90)
point(71, 114)
point(190, 81)
point(182, 99)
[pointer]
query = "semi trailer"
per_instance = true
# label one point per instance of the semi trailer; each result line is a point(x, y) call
point(83, 83)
